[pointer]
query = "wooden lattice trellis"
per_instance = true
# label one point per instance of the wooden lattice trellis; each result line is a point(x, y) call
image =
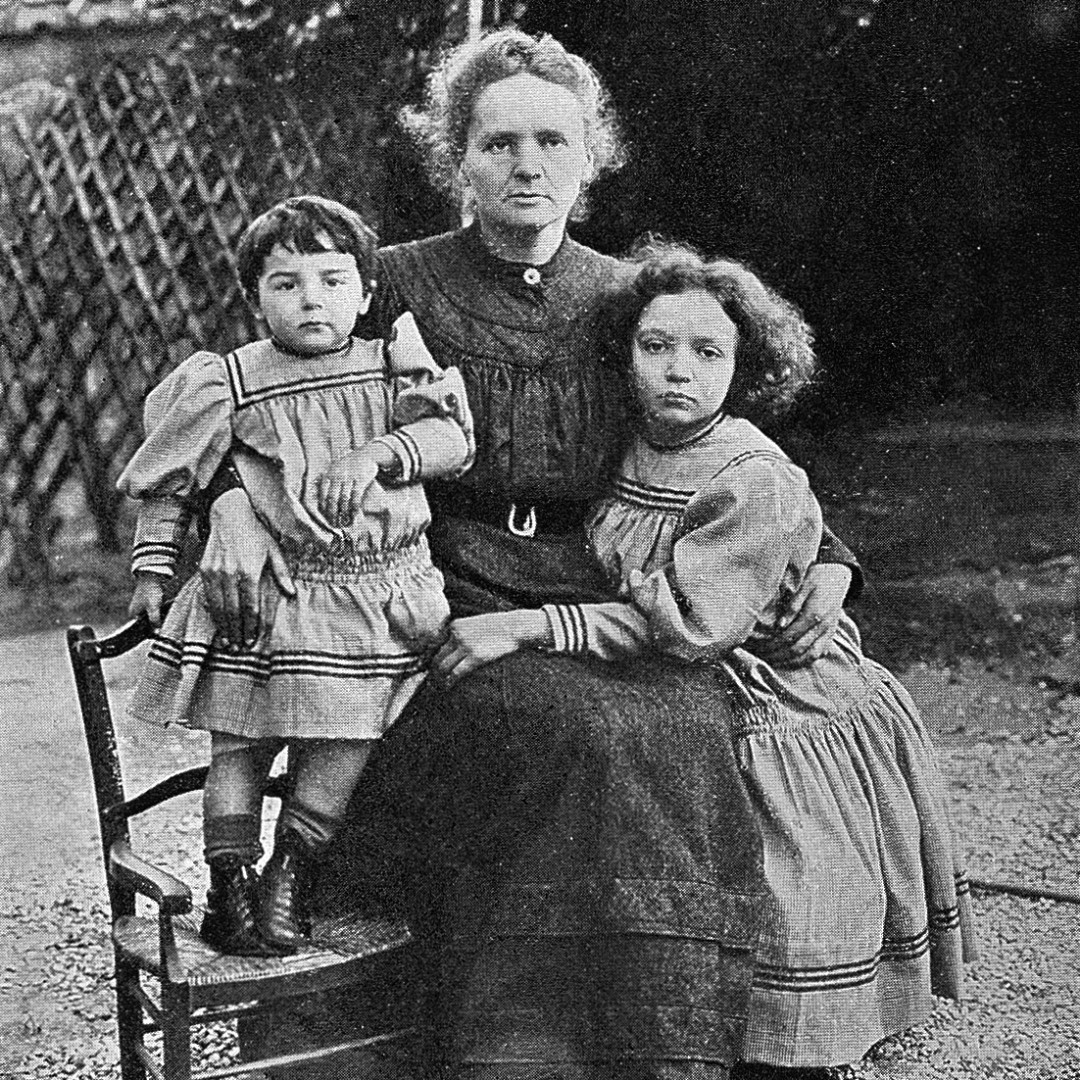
point(119, 215)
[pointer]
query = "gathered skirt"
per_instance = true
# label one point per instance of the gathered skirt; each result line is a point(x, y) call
point(339, 660)
point(866, 913)
point(573, 844)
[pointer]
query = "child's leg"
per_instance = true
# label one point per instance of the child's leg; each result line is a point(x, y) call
point(232, 817)
point(232, 797)
point(324, 773)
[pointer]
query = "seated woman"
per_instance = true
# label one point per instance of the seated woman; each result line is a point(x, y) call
point(707, 531)
point(574, 839)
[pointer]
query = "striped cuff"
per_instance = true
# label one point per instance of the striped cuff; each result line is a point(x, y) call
point(568, 628)
point(407, 451)
point(155, 556)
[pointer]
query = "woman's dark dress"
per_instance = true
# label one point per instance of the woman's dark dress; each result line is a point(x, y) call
point(573, 838)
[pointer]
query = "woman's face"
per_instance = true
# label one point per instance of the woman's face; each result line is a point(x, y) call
point(525, 160)
point(683, 360)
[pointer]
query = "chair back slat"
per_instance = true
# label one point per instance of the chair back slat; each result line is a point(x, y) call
point(86, 650)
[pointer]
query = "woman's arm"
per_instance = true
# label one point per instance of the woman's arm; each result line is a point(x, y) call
point(813, 613)
point(239, 550)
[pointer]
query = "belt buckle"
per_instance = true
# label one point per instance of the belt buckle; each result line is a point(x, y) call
point(527, 528)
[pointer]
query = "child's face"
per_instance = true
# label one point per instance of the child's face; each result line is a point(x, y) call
point(683, 360)
point(310, 301)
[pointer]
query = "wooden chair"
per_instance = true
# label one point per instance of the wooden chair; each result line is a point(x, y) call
point(195, 984)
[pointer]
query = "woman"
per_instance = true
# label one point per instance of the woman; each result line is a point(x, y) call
point(574, 839)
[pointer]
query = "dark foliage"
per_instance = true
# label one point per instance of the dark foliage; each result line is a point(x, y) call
point(905, 170)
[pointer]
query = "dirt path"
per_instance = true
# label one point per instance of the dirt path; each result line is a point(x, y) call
point(1012, 754)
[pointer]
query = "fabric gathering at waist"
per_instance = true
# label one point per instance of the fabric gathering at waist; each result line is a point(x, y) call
point(541, 517)
point(344, 562)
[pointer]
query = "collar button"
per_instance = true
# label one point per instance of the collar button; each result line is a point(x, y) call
point(531, 276)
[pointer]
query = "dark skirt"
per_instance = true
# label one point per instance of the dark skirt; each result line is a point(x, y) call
point(573, 844)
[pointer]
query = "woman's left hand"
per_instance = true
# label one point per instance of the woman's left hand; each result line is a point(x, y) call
point(479, 639)
point(811, 619)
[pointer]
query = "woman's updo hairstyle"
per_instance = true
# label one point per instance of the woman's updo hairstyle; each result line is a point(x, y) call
point(774, 357)
point(440, 126)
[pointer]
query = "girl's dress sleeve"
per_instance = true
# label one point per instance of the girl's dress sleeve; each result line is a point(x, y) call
point(747, 536)
point(834, 550)
point(432, 434)
point(188, 424)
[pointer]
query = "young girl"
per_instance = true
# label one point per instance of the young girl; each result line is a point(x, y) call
point(708, 528)
point(331, 436)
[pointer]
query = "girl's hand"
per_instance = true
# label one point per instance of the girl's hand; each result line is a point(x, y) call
point(340, 490)
point(147, 597)
point(811, 619)
point(238, 552)
point(479, 639)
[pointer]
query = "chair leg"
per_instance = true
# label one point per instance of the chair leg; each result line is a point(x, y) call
point(176, 1032)
point(129, 1021)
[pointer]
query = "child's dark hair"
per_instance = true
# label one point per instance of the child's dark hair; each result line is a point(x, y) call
point(774, 357)
point(306, 224)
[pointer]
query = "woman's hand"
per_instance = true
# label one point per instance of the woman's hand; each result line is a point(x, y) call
point(147, 597)
point(811, 619)
point(340, 490)
point(238, 552)
point(479, 639)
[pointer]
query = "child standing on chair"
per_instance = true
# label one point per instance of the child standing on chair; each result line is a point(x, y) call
point(331, 436)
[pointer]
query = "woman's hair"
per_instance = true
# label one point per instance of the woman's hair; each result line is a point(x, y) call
point(305, 224)
point(774, 355)
point(440, 126)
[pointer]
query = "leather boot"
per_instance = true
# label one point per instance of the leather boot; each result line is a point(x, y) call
point(284, 922)
point(230, 923)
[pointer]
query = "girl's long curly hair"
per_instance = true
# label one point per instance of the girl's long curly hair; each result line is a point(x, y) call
point(774, 356)
point(440, 126)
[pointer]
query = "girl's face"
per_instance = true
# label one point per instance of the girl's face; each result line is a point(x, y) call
point(525, 161)
point(683, 360)
point(311, 301)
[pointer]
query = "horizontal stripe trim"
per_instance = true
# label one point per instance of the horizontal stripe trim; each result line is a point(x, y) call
point(244, 397)
point(654, 489)
point(839, 976)
point(305, 386)
point(194, 654)
point(411, 451)
point(652, 498)
point(572, 625)
point(945, 920)
point(278, 659)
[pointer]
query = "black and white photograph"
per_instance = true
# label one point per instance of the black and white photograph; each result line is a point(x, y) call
point(540, 540)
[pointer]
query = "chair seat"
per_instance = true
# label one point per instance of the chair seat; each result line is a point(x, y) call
point(339, 942)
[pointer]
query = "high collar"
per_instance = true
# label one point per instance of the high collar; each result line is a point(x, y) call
point(510, 272)
point(339, 351)
point(706, 428)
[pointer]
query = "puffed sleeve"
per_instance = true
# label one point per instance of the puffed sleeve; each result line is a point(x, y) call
point(188, 424)
point(433, 427)
point(748, 534)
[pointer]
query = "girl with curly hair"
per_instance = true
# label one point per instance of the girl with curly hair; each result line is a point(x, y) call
point(707, 531)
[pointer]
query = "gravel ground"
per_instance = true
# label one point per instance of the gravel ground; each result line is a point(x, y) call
point(1010, 749)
